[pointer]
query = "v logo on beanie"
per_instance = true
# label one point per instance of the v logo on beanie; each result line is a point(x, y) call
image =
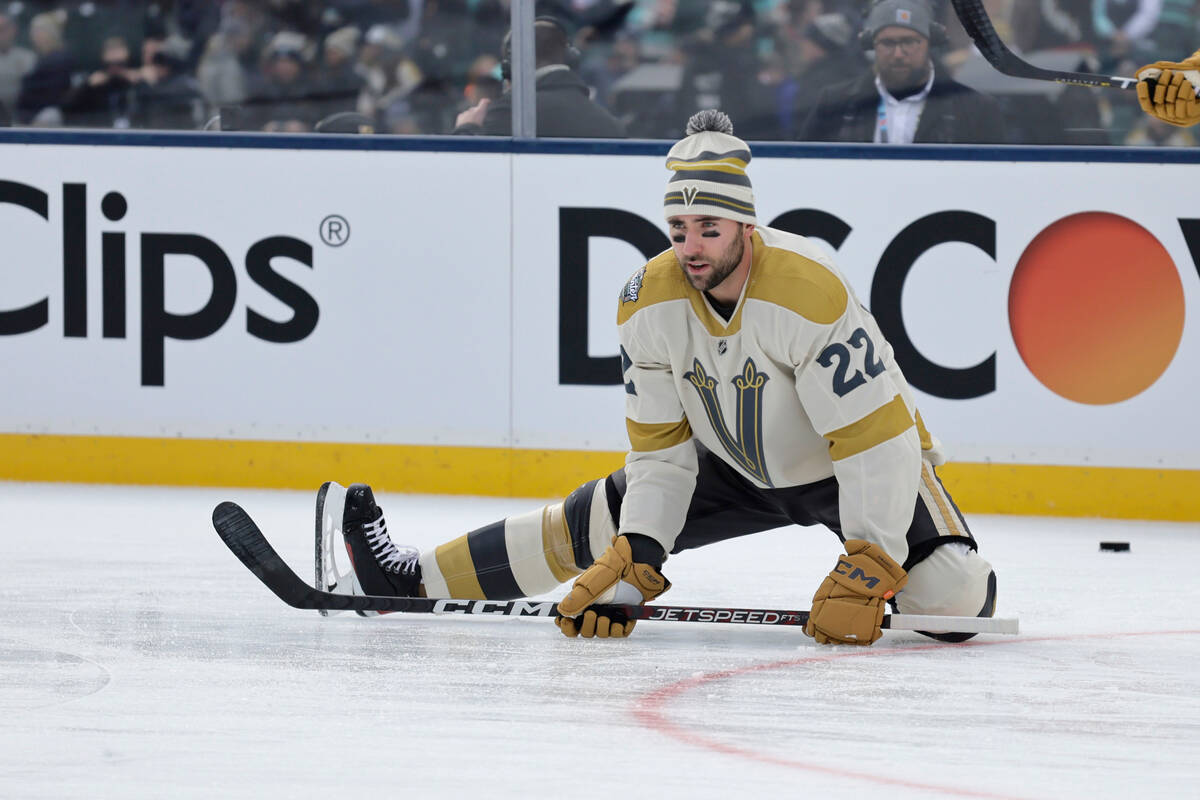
point(709, 171)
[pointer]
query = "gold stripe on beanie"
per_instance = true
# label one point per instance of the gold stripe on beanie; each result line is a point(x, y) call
point(714, 166)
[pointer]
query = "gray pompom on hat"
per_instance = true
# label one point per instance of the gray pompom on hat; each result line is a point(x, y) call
point(708, 170)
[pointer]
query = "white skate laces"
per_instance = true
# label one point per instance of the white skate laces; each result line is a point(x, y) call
point(400, 560)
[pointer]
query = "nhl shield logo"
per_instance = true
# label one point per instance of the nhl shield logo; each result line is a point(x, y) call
point(689, 194)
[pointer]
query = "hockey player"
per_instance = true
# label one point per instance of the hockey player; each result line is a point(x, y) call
point(759, 393)
point(1170, 90)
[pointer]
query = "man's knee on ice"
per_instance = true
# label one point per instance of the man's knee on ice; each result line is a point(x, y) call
point(953, 580)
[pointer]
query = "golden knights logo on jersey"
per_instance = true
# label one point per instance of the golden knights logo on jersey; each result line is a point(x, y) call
point(745, 442)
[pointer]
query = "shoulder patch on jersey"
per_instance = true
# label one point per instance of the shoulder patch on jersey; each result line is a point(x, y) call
point(798, 283)
point(657, 282)
point(630, 293)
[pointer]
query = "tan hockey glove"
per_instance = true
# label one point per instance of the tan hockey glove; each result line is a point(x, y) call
point(848, 606)
point(1168, 90)
point(613, 578)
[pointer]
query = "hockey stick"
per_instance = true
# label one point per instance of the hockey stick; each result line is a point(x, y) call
point(242, 536)
point(975, 21)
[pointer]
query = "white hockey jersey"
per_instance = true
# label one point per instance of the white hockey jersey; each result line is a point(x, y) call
point(797, 386)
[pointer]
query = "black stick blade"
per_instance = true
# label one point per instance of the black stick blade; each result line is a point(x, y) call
point(975, 22)
point(247, 542)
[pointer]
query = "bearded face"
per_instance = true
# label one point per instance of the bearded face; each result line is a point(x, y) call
point(709, 249)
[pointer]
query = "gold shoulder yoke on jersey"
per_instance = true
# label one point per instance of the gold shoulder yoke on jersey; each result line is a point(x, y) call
point(657, 282)
point(796, 283)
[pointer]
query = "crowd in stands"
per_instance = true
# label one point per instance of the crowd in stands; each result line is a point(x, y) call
point(414, 66)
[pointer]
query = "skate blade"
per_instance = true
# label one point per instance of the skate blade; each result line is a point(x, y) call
point(331, 500)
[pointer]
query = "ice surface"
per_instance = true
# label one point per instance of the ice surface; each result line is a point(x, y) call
point(140, 659)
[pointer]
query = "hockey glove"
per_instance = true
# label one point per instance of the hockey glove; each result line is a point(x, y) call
point(848, 606)
point(1168, 90)
point(614, 578)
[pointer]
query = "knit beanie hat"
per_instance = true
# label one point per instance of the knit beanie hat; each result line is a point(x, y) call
point(911, 14)
point(709, 171)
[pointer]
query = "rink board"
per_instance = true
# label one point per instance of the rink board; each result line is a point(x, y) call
point(442, 321)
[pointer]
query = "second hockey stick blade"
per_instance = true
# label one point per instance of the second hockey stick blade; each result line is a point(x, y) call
point(978, 25)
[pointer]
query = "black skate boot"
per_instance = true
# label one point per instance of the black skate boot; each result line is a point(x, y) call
point(376, 565)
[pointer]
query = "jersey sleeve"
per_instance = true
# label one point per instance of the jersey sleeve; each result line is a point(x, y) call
point(855, 395)
point(661, 466)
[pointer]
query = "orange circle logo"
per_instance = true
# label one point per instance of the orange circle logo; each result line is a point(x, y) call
point(1096, 308)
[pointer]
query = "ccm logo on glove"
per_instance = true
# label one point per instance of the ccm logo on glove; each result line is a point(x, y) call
point(855, 574)
point(848, 605)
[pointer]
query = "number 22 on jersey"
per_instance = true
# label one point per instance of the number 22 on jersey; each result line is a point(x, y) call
point(838, 356)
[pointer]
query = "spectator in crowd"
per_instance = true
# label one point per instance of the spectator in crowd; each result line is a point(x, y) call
point(15, 63)
point(337, 82)
point(426, 109)
point(823, 56)
point(279, 95)
point(443, 47)
point(196, 22)
point(904, 98)
point(1122, 26)
point(1176, 29)
point(402, 16)
point(1059, 23)
point(564, 103)
point(482, 83)
point(227, 62)
point(488, 26)
point(1121, 30)
point(87, 24)
point(44, 88)
point(297, 16)
point(106, 98)
point(485, 70)
point(482, 87)
point(388, 74)
point(618, 59)
point(168, 97)
point(722, 67)
point(411, 65)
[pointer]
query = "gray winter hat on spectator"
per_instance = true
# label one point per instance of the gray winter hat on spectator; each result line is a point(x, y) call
point(708, 168)
point(911, 14)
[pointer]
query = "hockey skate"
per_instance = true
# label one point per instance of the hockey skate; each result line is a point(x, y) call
point(349, 522)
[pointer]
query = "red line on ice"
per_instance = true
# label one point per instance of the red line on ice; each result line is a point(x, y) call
point(650, 708)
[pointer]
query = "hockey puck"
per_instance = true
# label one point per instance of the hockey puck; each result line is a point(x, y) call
point(1114, 547)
